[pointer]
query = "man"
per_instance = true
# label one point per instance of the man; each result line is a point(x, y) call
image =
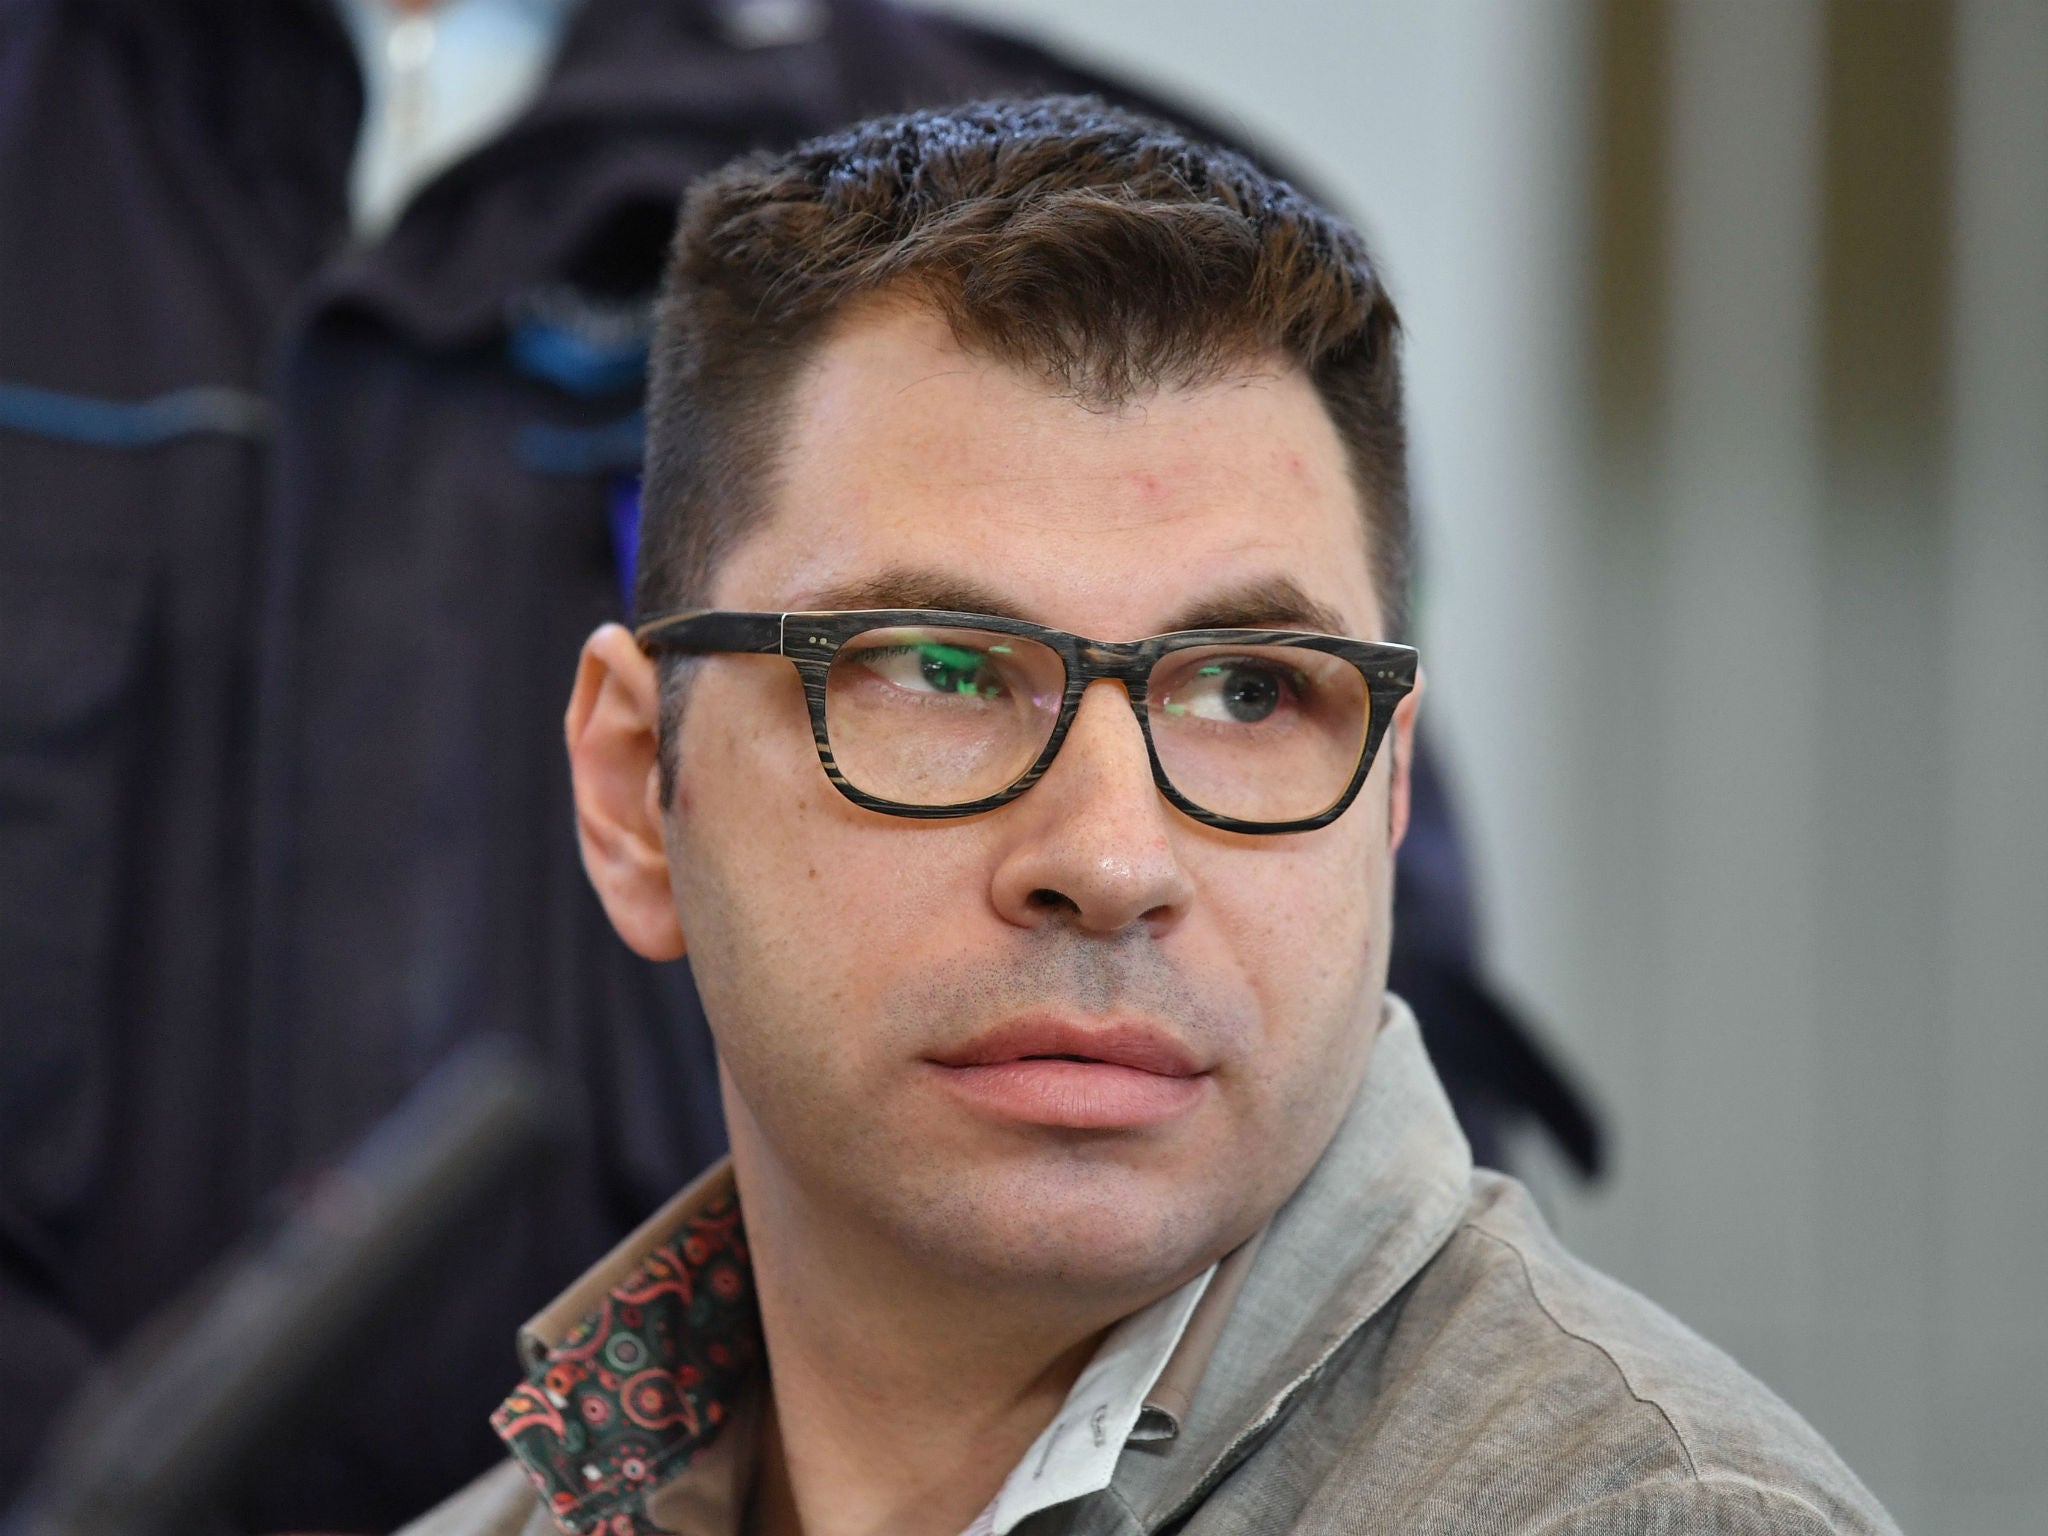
point(1015, 742)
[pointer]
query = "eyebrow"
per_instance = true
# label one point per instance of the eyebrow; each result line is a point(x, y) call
point(901, 587)
point(1274, 602)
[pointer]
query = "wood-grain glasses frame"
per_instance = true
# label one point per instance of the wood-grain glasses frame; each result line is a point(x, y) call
point(812, 640)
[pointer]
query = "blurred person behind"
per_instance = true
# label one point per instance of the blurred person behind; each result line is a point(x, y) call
point(320, 372)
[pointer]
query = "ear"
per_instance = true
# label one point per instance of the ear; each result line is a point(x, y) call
point(613, 727)
point(1401, 742)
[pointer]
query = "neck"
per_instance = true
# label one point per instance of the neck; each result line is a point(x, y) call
point(899, 1403)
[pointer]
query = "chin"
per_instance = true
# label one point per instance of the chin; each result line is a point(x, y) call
point(1075, 1223)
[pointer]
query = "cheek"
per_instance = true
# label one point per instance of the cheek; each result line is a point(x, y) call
point(751, 895)
point(1307, 925)
point(798, 906)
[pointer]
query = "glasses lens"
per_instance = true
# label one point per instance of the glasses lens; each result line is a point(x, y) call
point(940, 716)
point(1260, 732)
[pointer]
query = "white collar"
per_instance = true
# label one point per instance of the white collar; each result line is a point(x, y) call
point(1076, 1454)
point(438, 84)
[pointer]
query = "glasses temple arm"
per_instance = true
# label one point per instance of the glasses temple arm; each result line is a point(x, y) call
point(709, 631)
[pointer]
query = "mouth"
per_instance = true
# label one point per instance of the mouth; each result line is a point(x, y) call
point(1058, 1072)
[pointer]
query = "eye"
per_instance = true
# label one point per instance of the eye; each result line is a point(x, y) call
point(935, 667)
point(1234, 691)
point(1249, 695)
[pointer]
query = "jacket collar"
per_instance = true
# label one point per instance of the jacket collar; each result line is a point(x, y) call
point(1381, 1201)
point(643, 99)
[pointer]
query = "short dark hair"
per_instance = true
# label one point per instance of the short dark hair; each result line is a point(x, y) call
point(1104, 250)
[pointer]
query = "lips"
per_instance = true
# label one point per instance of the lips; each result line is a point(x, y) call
point(1057, 1072)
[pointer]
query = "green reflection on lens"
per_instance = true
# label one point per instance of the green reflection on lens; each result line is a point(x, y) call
point(939, 659)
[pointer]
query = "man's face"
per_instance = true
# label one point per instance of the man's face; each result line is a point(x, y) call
point(851, 961)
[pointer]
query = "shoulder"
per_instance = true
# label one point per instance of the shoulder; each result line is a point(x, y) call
point(1715, 1418)
point(499, 1503)
point(1704, 1506)
point(1514, 1375)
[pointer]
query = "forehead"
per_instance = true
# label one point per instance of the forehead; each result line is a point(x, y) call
point(908, 460)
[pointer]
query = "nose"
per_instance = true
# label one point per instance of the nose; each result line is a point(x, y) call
point(1093, 842)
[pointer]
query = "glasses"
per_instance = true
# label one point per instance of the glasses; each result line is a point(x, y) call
point(923, 713)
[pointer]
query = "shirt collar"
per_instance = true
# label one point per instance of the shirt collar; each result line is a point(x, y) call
point(1133, 1392)
point(636, 1370)
point(1076, 1454)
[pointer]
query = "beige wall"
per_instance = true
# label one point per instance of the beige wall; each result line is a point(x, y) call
point(1729, 353)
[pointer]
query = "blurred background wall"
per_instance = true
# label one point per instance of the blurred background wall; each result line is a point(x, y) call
point(1728, 343)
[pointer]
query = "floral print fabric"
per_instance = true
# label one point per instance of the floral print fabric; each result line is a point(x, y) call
point(644, 1383)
